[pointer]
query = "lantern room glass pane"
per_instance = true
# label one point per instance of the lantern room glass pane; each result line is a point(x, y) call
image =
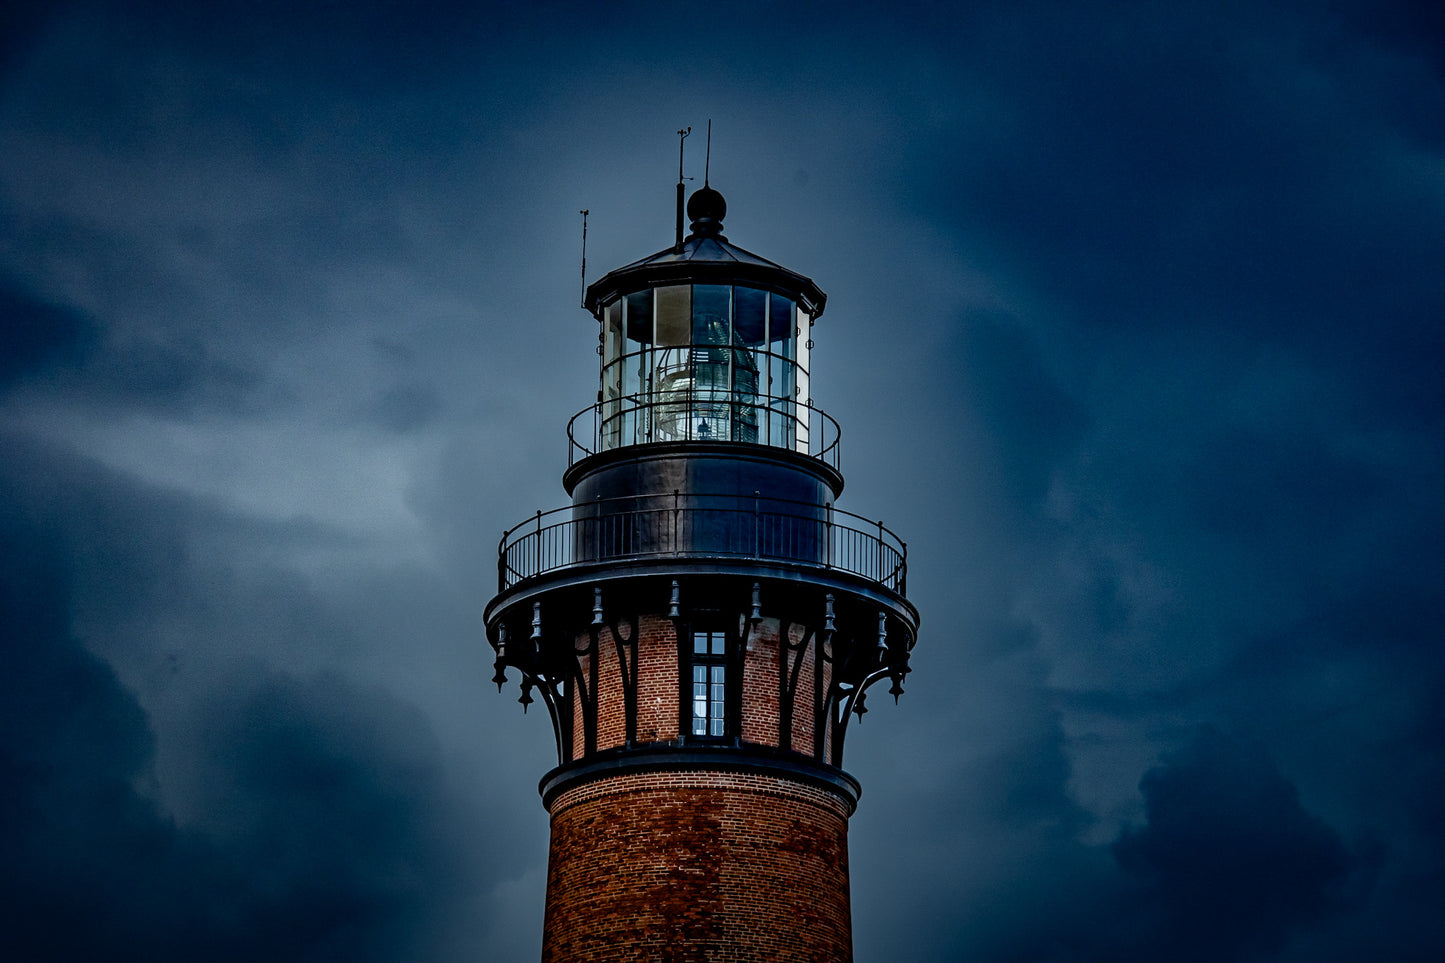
point(780, 324)
point(749, 361)
point(633, 372)
point(783, 386)
point(612, 332)
point(711, 377)
point(674, 314)
point(749, 316)
point(671, 380)
point(639, 316)
point(710, 314)
point(635, 367)
point(611, 426)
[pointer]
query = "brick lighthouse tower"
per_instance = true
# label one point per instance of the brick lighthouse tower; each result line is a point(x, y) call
point(701, 623)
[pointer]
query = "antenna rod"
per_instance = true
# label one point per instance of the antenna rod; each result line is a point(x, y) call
point(681, 136)
point(708, 162)
point(584, 257)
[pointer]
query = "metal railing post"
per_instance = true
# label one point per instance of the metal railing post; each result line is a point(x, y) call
point(828, 535)
point(880, 550)
point(597, 534)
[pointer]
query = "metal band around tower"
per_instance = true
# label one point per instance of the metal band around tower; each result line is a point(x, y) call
point(757, 760)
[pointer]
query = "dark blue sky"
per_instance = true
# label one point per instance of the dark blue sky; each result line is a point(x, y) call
point(1134, 331)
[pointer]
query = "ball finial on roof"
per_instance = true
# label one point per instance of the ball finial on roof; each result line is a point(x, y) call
point(706, 208)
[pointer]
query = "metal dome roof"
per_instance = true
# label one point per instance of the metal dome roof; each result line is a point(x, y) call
point(706, 257)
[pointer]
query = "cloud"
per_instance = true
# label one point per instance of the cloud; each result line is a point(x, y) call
point(36, 336)
point(315, 819)
point(1133, 332)
point(1230, 861)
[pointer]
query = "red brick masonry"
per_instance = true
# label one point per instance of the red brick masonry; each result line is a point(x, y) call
point(696, 865)
point(658, 680)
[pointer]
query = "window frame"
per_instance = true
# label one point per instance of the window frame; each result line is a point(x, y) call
point(715, 662)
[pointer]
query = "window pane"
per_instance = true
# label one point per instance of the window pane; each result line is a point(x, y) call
point(639, 316)
point(612, 332)
point(674, 314)
point(745, 397)
point(804, 335)
point(781, 325)
point(711, 379)
point(633, 373)
point(710, 314)
point(717, 727)
point(699, 645)
point(783, 390)
point(611, 408)
point(748, 305)
point(783, 385)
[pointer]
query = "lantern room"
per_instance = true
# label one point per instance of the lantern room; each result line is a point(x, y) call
point(705, 342)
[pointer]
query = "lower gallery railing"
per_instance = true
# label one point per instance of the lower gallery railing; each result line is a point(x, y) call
point(702, 526)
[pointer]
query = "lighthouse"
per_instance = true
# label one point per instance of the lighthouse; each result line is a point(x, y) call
point(702, 623)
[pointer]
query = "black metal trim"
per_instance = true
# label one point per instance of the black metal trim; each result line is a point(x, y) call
point(759, 760)
point(736, 450)
point(594, 573)
point(790, 663)
point(648, 273)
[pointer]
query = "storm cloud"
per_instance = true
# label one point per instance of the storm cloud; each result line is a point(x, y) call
point(1134, 331)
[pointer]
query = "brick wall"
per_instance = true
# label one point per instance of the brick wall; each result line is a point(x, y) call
point(761, 670)
point(760, 684)
point(657, 681)
point(657, 697)
point(805, 723)
point(585, 662)
point(611, 720)
point(692, 866)
point(656, 690)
